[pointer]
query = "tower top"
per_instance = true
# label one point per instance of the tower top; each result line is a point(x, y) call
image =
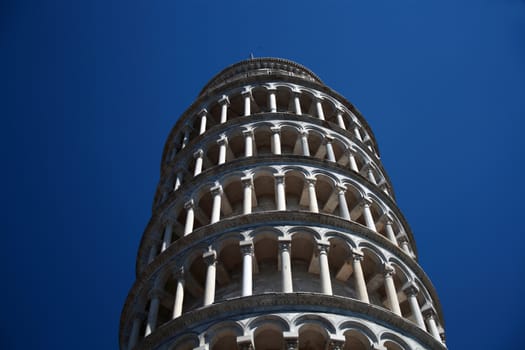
point(259, 66)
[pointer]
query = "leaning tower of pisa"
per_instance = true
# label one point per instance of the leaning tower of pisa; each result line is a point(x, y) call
point(275, 226)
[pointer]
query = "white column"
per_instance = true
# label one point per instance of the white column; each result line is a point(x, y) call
point(360, 283)
point(247, 267)
point(390, 231)
point(248, 142)
point(319, 108)
point(286, 265)
point(390, 289)
point(210, 258)
point(198, 162)
point(178, 181)
point(280, 192)
point(370, 174)
point(312, 198)
point(135, 328)
point(357, 133)
point(343, 206)
point(276, 140)
point(297, 103)
point(403, 241)
point(340, 119)
point(179, 293)
point(352, 161)
point(190, 217)
point(329, 148)
point(326, 284)
point(411, 292)
point(186, 137)
point(272, 101)
point(152, 252)
point(153, 311)
point(223, 143)
point(247, 184)
point(224, 102)
point(304, 143)
point(369, 219)
point(167, 236)
point(204, 116)
point(216, 193)
point(247, 97)
point(431, 323)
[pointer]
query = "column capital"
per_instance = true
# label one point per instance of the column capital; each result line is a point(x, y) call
point(284, 243)
point(189, 204)
point(246, 247)
point(350, 151)
point(224, 100)
point(388, 270)
point(402, 238)
point(210, 257)
point(202, 112)
point(387, 219)
point(304, 133)
point(328, 139)
point(336, 342)
point(244, 342)
point(310, 180)
point(279, 177)
point(140, 315)
point(216, 190)
point(247, 132)
point(275, 129)
point(341, 188)
point(178, 273)
point(247, 92)
point(357, 254)
point(339, 110)
point(198, 153)
point(428, 311)
point(410, 288)
point(223, 140)
point(366, 201)
point(323, 247)
point(247, 180)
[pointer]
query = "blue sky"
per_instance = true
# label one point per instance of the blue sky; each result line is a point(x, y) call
point(90, 91)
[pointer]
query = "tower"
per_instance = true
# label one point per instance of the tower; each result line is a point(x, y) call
point(275, 226)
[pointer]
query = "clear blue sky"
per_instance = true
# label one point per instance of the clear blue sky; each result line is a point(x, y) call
point(90, 90)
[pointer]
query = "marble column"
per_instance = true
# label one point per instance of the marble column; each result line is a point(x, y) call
point(186, 138)
point(357, 133)
point(340, 120)
point(178, 181)
point(367, 213)
point(167, 236)
point(135, 329)
point(304, 143)
point(153, 312)
point(247, 185)
point(224, 102)
point(247, 267)
point(430, 318)
point(276, 140)
point(326, 283)
point(319, 108)
point(152, 251)
point(351, 160)
point(360, 283)
point(286, 265)
point(389, 230)
point(198, 162)
point(223, 144)
point(280, 193)
point(370, 174)
point(216, 193)
point(411, 291)
point(203, 114)
point(246, 94)
point(328, 140)
point(190, 217)
point(390, 289)
point(210, 258)
point(248, 142)
point(297, 103)
point(272, 100)
point(179, 293)
point(403, 241)
point(312, 198)
point(343, 206)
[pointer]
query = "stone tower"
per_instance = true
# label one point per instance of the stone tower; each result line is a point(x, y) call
point(275, 226)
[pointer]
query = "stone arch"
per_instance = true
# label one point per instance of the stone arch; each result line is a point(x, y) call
point(223, 336)
point(360, 331)
point(393, 342)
